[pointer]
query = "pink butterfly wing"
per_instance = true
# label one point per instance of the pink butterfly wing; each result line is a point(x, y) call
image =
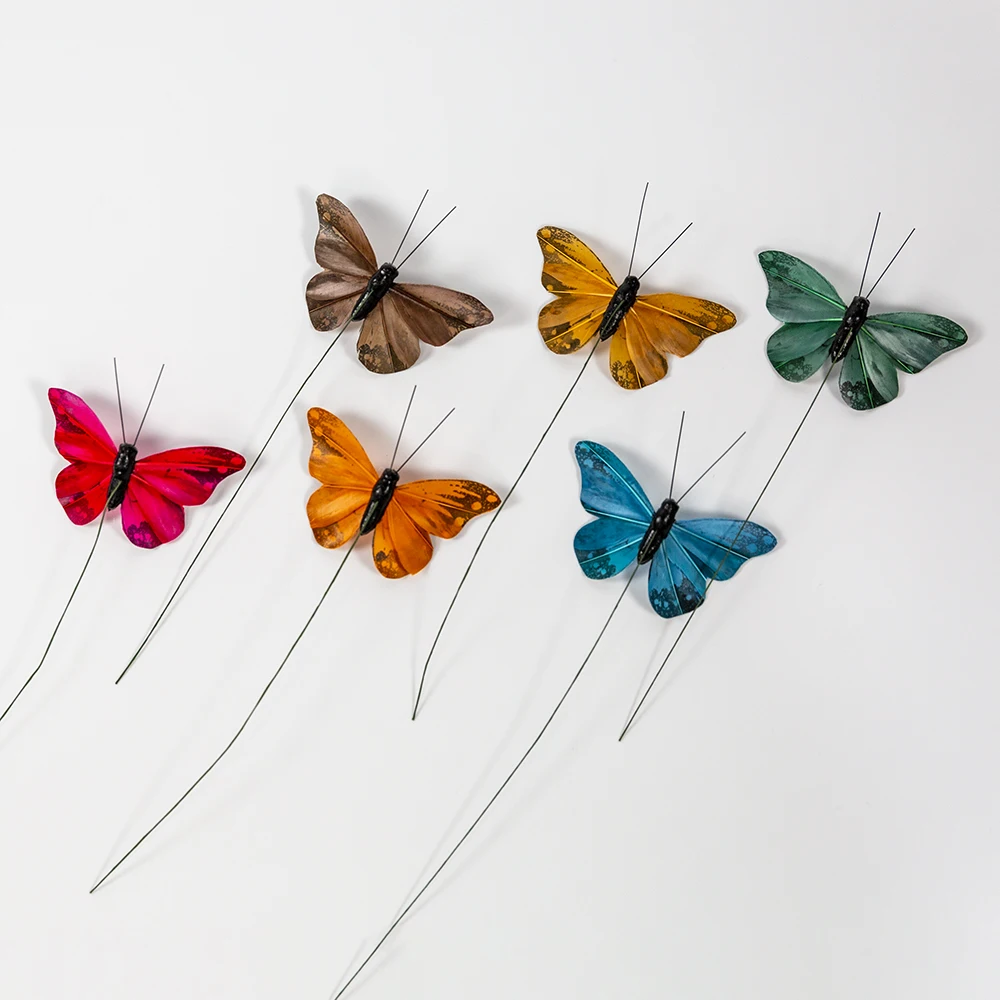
point(164, 483)
point(188, 475)
point(82, 487)
point(148, 518)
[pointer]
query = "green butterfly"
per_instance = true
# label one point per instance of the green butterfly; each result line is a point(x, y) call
point(819, 325)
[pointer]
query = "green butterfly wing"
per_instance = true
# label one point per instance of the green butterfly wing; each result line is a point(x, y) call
point(868, 377)
point(913, 340)
point(810, 309)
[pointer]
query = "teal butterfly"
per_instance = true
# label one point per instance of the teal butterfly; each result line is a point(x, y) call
point(819, 325)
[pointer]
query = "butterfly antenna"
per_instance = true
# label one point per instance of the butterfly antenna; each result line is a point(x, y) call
point(118, 393)
point(426, 238)
point(401, 426)
point(718, 570)
point(426, 439)
point(668, 246)
point(148, 405)
point(871, 246)
point(891, 262)
point(48, 646)
point(712, 466)
point(638, 221)
point(677, 452)
point(229, 502)
point(495, 796)
point(492, 521)
point(409, 227)
point(239, 731)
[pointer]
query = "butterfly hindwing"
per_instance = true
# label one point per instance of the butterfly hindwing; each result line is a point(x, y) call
point(798, 350)
point(606, 546)
point(868, 376)
point(721, 545)
point(676, 584)
point(399, 547)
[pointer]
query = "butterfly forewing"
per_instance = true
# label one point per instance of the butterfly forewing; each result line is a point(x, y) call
point(607, 488)
point(719, 546)
point(443, 507)
point(796, 292)
point(913, 339)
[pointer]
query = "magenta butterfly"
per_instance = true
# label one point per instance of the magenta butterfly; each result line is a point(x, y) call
point(152, 492)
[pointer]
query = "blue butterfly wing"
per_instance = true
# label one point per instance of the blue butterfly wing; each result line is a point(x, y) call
point(676, 583)
point(712, 543)
point(607, 488)
point(606, 546)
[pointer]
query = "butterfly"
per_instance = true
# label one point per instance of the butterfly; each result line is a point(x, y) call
point(396, 317)
point(355, 499)
point(818, 325)
point(684, 556)
point(152, 492)
point(643, 329)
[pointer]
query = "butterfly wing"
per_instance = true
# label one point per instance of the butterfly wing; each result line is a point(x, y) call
point(80, 437)
point(810, 309)
point(442, 507)
point(347, 259)
point(676, 583)
point(868, 376)
point(913, 339)
point(340, 463)
point(162, 485)
point(582, 287)
point(606, 546)
point(718, 546)
point(386, 345)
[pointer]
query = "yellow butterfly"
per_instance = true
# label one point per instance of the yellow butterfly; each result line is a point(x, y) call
point(643, 329)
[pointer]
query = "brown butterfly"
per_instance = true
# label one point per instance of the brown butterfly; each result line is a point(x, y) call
point(396, 317)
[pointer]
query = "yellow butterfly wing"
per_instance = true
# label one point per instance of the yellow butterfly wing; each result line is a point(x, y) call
point(658, 326)
point(582, 287)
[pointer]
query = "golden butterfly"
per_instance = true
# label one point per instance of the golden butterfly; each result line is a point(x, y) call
point(643, 329)
point(396, 317)
point(355, 499)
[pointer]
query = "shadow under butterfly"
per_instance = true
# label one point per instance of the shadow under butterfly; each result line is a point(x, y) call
point(589, 305)
point(353, 501)
point(395, 319)
point(685, 557)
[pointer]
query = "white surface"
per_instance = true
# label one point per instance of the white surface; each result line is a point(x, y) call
point(807, 809)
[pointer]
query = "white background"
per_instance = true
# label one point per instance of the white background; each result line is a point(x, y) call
point(807, 808)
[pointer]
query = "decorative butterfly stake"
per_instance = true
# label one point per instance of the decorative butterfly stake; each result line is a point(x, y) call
point(682, 555)
point(152, 492)
point(590, 305)
point(395, 318)
point(817, 327)
point(352, 501)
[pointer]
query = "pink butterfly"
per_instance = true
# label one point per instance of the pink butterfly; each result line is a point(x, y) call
point(152, 492)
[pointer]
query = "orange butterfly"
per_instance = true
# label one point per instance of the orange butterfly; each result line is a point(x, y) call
point(643, 329)
point(354, 498)
point(396, 318)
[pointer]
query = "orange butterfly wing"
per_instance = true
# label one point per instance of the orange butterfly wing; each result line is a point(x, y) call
point(582, 287)
point(423, 508)
point(339, 462)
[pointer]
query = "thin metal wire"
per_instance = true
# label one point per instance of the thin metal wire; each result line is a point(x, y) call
point(712, 466)
point(409, 227)
point(495, 796)
point(722, 562)
point(665, 249)
point(871, 246)
point(426, 439)
point(239, 731)
point(118, 392)
point(638, 221)
point(493, 520)
point(229, 502)
point(426, 238)
point(148, 405)
point(677, 454)
point(401, 427)
point(52, 637)
point(891, 262)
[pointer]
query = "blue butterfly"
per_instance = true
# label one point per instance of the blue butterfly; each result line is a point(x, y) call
point(684, 556)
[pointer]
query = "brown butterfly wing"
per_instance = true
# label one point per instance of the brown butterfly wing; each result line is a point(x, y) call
point(434, 314)
point(347, 259)
point(386, 344)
